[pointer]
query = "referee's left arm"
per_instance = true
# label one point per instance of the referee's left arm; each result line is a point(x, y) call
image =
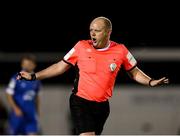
point(144, 79)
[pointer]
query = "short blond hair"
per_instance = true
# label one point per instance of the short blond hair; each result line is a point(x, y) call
point(106, 21)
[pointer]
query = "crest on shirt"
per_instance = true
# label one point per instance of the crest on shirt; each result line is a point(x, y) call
point(113, 67)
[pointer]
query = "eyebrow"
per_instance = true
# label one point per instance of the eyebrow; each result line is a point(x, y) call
point(98, 29)
point(95, 29)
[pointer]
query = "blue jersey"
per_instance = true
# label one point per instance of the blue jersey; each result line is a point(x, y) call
point(24, 94)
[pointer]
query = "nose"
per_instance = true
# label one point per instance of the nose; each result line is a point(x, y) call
point(93, 33)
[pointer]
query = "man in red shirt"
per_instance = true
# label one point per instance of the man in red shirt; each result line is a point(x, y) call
point(97, 61)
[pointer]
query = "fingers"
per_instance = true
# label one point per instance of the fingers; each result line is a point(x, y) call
point(19, 77)
point(166, 81)
point(163, 80)
point(22, 75)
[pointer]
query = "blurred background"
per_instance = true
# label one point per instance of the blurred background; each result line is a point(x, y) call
point(150, 30)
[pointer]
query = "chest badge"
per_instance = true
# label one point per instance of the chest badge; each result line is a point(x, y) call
point(113, 67)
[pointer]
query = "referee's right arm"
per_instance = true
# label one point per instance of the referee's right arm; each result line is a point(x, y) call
point(51, 71)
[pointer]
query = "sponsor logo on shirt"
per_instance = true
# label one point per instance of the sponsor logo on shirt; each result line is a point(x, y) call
point(29, 95)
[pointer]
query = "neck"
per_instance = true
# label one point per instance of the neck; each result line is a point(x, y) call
point(105, 48)
point(105, 45)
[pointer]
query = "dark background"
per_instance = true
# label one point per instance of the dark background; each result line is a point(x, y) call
point(56, 27)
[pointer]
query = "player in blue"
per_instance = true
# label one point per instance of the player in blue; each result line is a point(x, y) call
point(23, 99)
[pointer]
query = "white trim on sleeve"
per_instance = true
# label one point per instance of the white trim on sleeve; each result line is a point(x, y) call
point(11, 86)
point(10, 91)
point(69, 54)
point(131, 59)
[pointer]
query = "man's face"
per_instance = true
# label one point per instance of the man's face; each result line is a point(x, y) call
point(99, 33)
point(28, 65)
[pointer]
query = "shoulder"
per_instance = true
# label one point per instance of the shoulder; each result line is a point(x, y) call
point(13, 81)
point(14, 76)
point(83, 43)
point(118, 45)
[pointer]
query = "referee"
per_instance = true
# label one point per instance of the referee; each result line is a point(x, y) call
point(97, 61)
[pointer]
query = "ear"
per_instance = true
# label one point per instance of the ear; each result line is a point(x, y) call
point(109, 33)
point(105, 33)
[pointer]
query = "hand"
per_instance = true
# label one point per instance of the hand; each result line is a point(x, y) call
point(161, 81)
point(25, 75)
point(18, 112)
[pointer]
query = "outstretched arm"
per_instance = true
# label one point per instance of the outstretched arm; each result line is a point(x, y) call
point(53, 70)
point(142, 78)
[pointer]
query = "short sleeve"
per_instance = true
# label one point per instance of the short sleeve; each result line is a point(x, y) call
point(72, 56)
point(11, 86)
point(129, 62)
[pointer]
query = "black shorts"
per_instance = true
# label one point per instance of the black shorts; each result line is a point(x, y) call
point(88, 116)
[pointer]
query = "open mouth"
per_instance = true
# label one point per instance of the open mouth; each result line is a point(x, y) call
point(94, 40)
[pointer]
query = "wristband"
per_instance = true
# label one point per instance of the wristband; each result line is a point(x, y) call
point(33, 76)
point(150, 82)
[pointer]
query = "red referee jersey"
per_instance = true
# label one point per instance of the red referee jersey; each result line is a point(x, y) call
point(98, 68)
